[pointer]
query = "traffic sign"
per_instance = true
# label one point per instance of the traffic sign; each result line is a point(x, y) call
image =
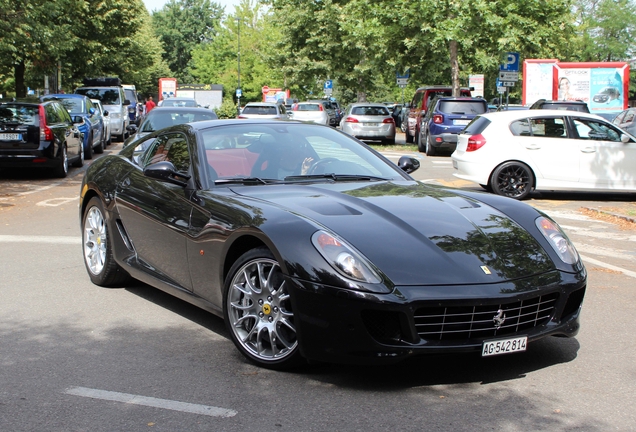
point(510, 62)
point(239, 93)
point(402, 81)
point(508, 76)
point(508, 83)
point(328, 84)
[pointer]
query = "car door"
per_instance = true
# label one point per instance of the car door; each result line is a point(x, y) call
point(71, 133)
point(546, 142)
point(606, 161)
point(156, 214)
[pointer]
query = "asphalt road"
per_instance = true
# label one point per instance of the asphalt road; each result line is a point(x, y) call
point(77, 357)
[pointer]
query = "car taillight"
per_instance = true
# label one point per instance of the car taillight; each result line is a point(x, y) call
point(388, 120)
point(475, 142)
point(46, 134)
point(321, 107)
point(351, 120)
point(438, 119)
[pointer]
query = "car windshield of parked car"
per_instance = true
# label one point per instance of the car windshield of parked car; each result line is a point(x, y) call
point(370, 111)
point(291, 153)
point(178, 103)
point(105, 95)
point(19, 114)
point(260, 110)
point(159, 119)
point(73, 105)
point(307, 107)
point(462, 107)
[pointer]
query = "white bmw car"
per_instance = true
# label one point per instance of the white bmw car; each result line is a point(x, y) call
point(512, 153)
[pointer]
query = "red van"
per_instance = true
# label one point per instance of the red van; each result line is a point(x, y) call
point(421, 98)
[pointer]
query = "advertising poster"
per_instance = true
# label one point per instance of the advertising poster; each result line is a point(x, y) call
point(477, 83)
point(604, 86)
point(274, 94)
point(167, 88)
point(537, 80)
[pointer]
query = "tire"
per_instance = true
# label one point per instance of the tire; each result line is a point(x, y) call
point(257, 311)
point(61, 170)
point(512, 179)
point(403, 127)
point(409, 138)
point(486, 187)
point(88, 151)
point(430, 150)
point(80, 160)
point(388, 141)
point(420, 143)
point(97, 248)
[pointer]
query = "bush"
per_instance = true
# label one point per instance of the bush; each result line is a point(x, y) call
point(227, 110)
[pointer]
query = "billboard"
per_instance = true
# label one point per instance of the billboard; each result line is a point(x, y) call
point(537, 80)
point(167, 88)
point(274, 94)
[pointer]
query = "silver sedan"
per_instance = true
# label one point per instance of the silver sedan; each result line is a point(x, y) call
point(369, 121)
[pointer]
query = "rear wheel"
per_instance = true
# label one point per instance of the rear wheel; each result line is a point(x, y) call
point(258, 311)
point(512, 179)
point(430, 150)
point(88, 151)
point(97, 245)
point(80, 160)
point(61, 170)
point(409, 138)
point(100, 147)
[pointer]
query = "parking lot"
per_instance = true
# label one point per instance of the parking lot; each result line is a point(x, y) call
point(79, 357)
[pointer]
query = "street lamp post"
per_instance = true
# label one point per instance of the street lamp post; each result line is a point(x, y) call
point(238, 89)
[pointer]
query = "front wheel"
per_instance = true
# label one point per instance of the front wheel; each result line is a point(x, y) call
point(61, 170)
point(430, 150)
point(98, 250)
point(258, 311)
point(512, 179)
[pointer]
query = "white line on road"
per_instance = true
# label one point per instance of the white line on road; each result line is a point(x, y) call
point(40, 239)
point(609, 266)
point(150, 401)
point(55, 202)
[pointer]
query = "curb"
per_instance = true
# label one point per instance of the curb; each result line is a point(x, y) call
point(620, 216)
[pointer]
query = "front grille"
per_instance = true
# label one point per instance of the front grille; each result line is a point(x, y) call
point(477, 322)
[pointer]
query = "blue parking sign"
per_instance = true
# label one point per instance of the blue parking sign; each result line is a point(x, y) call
point(510, 62)
point(328, 84)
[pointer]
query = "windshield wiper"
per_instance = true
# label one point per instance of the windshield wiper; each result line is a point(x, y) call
point(336, 177)
point(244, 180)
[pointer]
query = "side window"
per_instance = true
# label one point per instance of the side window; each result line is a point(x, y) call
point(52, 116)
point(417, 100)
point(589, 129)
point(619, 118)
point(63, 114)
point(521, 128)
point(548, 127)
point(170, 148)
point(629, 117)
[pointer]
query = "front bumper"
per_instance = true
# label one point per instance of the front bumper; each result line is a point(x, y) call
point(344, 326)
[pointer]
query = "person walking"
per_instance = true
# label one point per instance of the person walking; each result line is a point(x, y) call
point(150, 104)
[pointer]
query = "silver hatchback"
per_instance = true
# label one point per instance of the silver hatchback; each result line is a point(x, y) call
point(310, 112)
point(264, 110)
point(369, 121)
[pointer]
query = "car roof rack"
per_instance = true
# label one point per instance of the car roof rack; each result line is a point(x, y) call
point(102, 82)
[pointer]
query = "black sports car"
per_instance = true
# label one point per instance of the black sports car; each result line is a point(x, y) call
point(312, 245)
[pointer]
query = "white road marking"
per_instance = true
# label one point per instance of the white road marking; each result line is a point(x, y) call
point(612, 253)
point(37, 189)
point(55, 202)
point(40, 239)
point(150, 402)
point(609, 266)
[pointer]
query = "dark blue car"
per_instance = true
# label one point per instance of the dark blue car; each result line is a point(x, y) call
point(93, 127)
point(445, 118)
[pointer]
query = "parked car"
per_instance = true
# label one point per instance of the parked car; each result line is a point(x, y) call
point(110, 92)
point(166, 116)
point(625, 120)
point(335, 264)
point(264, 110)
point(39, 134)
point(561, 105)
point(419, 104)
point(331, 110)
point(93, 127)
point(107, 135)
point(444, 119)
point(310, 112)
point(178, 102)
point(404, 117)
point(369, 121)
point(606, 95)
point(396, 113)
point(515, 152)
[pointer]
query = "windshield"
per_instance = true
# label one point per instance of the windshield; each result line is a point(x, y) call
point(370, 111)
point(73, 105)
point(262, 110)
point(19, 114)
point(158, 119)
point(288, 151)
point(462, 107)
point(179, 103)
point(108, 96)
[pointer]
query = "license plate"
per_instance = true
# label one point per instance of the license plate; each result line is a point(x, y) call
point(371, 124)
point(461, 122)
point(10, 137)
point(504, 346)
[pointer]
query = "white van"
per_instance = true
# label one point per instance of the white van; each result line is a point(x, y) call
point(111, 94)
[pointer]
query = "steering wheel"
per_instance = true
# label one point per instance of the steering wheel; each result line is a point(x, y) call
point(312, 169)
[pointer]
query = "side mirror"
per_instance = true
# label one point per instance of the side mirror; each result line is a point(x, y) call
point(78, 120)
point(165, 171)
point(126, 102)
point(408, 164)
point(92, 111)
point(105, 113)
point(625, 139)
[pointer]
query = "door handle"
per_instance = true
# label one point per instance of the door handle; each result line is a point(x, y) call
point(588, 150)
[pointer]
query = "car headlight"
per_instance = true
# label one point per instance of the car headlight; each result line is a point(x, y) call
point(344, 258)
point(558, 240)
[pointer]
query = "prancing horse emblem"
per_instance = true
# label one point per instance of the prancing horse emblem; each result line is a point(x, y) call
point(499, 318)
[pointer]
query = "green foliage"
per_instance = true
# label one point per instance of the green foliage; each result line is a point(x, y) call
point(227, 110)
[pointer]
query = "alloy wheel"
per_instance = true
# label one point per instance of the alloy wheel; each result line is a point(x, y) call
point(95, 241)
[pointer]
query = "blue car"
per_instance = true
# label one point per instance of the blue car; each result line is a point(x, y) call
point(445, 118)
point(93, 130)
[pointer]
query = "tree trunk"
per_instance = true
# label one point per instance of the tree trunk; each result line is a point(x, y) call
point(18, 74)
point(454, 67)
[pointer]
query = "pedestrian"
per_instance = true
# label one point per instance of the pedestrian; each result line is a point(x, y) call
point(150, 104)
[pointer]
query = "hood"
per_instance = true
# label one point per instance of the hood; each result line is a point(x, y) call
point(417, 234)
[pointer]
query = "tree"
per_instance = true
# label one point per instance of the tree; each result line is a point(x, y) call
point(182, 25)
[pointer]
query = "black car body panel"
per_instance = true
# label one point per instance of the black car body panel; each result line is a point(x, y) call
point(481, 253)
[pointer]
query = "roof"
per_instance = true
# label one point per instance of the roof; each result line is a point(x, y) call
point(518, 114)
